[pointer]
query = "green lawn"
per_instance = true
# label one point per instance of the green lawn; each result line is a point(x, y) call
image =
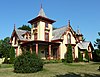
point(57, 70)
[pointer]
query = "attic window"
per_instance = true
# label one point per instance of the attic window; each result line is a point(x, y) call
point(69, 39)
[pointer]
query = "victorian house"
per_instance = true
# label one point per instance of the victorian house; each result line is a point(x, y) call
point(49, 43)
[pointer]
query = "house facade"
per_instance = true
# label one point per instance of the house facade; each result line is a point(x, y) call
point(49, 43)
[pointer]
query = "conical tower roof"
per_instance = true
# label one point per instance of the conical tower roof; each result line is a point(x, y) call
point(41, 17)
point(42, 13)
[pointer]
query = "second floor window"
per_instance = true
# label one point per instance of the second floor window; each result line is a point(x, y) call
point(46, 25)
point(35, 25)
point(69, 39)
point(35, 36)
point(46, 36)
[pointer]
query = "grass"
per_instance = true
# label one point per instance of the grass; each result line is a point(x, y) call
point(56, 70)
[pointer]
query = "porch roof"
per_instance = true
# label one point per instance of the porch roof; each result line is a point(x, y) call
point(39, 42)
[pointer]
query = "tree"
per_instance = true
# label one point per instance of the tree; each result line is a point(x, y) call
point(69, 57)
point(86, 56)
point(97, 42)
point(5, 49)
point(80, 58)
point(96, 53)
point(12, 55)
point(54, 28)
point(25, 27)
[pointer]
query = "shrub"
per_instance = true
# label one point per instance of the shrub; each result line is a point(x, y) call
point(28, 63)
point(52, 61)
point(68, 55)
point(80, 58)
point(12, 55)
point(63, 60)
point(86, 56)
point(96, 55)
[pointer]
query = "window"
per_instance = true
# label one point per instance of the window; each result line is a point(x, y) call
point(26, 37)
point(46, 25)
point(69, 39)
point(15, 41)
point(35, 36)
point(46, 36)
point(35, 25)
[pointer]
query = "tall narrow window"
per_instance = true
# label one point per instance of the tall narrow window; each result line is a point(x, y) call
point(35, 36)
point(35, 25)
point(15, 41)
point(69, 39)
point(46, 25)
point(46, 36)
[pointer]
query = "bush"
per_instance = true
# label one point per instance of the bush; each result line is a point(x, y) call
point(28, 63)
point(80, 58)
point(86, 56)
point(96, 55)
point(12, 55)
point(52, 61)
point(63, 60)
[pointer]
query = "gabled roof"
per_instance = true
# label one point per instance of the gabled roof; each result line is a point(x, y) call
point(20, 34)
point(84, 44)
point(58, 32)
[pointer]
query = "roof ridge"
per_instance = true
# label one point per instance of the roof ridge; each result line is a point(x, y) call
point(60, 28)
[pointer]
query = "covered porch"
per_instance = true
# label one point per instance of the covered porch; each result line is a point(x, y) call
point(46, 50)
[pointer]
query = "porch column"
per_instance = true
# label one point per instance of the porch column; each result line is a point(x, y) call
point(49, 52)
point(58, 52)
point(36, 49)
point(31, 49)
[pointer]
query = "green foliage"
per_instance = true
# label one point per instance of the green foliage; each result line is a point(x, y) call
point(54, 28)
point(97, 42)
point(12, 55)
point(86, 56)
point(28, 63)
point(25, 27)
point(96, 55)
point(80, 58)
point(68, 56)
point(52, 61)
point(5, 49)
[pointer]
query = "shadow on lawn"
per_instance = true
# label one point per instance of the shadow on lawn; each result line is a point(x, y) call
point(78, 75)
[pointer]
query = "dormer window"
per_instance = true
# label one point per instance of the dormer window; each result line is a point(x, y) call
point(46, 25)
point(69, 39)
point(35, 25)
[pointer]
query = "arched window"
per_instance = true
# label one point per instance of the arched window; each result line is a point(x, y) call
point(69, 39)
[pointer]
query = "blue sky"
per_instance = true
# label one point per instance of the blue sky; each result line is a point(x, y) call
point(82, 13)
